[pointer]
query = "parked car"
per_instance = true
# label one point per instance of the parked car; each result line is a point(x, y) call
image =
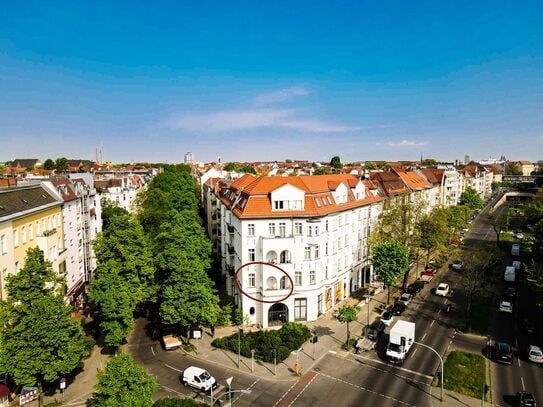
point(528, 326)
point(387, 318)
point(506, 306)
point(398, 308)
point(510, 292)
point(535, 354)
point(198, 378)
point(457, 265)
point(375, 330)
point(427, 276)
point(502, 353)
point(525, 399)
point(405, 298)
point(415, 288)
point(442, 289)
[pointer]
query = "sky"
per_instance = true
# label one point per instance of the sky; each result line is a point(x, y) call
point(271, 80)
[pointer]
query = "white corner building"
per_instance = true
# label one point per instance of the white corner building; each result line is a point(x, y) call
point(314, 228)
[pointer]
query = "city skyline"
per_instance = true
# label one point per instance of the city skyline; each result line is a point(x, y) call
point(272, 82)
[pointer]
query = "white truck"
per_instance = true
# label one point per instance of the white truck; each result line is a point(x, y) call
point(509, 274)
point(402, 337)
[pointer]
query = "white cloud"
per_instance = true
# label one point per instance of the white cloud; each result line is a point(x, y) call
point(407, 143)
point(254, 118)
point(280, 95)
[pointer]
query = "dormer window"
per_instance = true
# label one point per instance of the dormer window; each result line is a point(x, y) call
point(278, 205)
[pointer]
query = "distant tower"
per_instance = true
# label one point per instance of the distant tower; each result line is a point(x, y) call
point(218, 159)
point(466, 159)
point(189, 158)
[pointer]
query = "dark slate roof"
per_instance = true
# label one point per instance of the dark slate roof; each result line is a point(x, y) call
point(23, 162)
point(20, 199)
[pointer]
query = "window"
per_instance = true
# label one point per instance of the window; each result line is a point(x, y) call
point(307, 253)
point(31, 231)
point(310, 231)
point(252, 256)
point(298, 278)
point(296, 204)
point(312, 277)
point(319, 304)
point(252, 280)
point(317, 252)
point(279, 205)
point(298, 228)
point(326, 225)
point(329, 201)
point(283, 283)
point(326, 272)
point(15, 238)
point(282, 229)
point(251, 229)
point(16, 267)
point(23, 234)
point(300, 309)
point(317, 202)
point(284, 256)
point(316, 230)
point(326, 249)
point(271, 229)
point(49, 223)
point(3, 244)
point(38, 228)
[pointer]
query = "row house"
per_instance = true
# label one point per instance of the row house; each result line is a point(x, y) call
point(315, 228)
point(121, 189)
point(82, 221)
point(30, 217)
point(452, 185)
point(420, 189)
point(477, 177)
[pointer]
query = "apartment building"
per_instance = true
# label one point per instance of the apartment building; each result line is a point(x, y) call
point(30, 217)
point(121, 189)
point(315, 228)
point(82, 221)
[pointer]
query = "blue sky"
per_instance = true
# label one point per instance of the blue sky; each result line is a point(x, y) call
point(271, 80)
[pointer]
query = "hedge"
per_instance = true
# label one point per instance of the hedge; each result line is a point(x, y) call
point(287, 339)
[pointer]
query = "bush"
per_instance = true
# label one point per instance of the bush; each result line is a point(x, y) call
point(290, 337)
point(225, 316)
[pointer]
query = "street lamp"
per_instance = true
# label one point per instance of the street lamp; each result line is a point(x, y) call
point(440, 359)
point(229, 383)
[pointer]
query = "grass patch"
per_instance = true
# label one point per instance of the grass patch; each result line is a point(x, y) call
point(464, 373)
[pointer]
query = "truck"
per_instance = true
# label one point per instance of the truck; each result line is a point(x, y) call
point(509, 274)
point(171, 342)
point(402, 337)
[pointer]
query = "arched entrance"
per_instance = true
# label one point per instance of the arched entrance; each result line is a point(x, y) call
point(277, 314)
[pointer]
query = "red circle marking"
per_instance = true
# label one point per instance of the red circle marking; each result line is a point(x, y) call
point(238, 286)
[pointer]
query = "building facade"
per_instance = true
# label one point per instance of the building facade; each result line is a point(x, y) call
point(315, 229)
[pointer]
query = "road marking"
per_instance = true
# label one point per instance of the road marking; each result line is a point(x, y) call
point(518, 360)
point(333, 352)
point(522, 381)
point(368, 390)
point(432, 324)
point(301, 391)
point(423, 336)
point(403, 369)
point(173, 368)
point(415, 351)
point(153, 350)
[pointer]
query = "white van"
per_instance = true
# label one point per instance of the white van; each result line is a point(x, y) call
point(198, 378)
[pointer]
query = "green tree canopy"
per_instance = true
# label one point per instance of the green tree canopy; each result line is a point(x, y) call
point(434, 231)
point(123, 383)
point(336, 163)
point(471, 199)
point(346, 315)
point(391, 261)
point(321, 171)
point(61, 164)
point(38, 340)
point(48, 164)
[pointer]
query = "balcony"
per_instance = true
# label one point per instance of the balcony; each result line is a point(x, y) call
point(230, 229)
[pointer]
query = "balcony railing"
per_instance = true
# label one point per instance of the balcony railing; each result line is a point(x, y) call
point(50, 232)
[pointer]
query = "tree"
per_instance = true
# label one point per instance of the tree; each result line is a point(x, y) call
point(534, 274)
point(498, 219)
point(321, 171)
point(471, 198)
point(48, 164)
point(336, 163)
point(429, 161)
point(61, 164)
point(513, 169)
point(348, 314)
point(370, 165)
point(391, 261)
point(38, 340)
point(230, 167)
point(457, 217)
point(247, 168)
point(434, 231)
point(123, 383)
point(124, 275)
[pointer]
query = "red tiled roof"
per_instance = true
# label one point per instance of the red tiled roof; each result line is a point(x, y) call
point(389, 182)
point(433, 175)
point(412, 179)
point(249, 196)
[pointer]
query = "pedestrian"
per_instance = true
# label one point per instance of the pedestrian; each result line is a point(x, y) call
point(212, 331)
